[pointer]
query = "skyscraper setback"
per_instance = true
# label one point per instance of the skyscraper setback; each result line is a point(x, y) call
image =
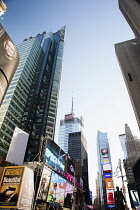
point(32, 97)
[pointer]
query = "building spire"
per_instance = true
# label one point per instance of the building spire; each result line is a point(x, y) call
point(72, 106)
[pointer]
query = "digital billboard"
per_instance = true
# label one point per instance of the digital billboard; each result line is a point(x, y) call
point(109, 183)
point(56, 190)
point(70, 166)
point(110, 197)
point(44, 184)
point(68, 195)
point(9, 60)
point(55, 157)
point(107, 175)
point(104, 151)
point(107, 167)
point(10, 186)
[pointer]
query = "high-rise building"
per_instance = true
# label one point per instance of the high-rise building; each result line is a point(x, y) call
point(105, 171)
point(131, 11)
point(70, 124)
point(128, 53)
point(122, 138)
point(2, 7)
point(32, 97)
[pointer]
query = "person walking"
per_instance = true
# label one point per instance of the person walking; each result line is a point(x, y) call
point(119, 199)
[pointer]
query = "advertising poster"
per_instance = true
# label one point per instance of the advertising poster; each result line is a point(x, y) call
point(106, 160)
point(44, 184)
point(68, 195)
point(56, 189)
point(109, 183)
point(104, 151)
point(70, 167)
point(27, 189)
point(107, 167)
point(110, 197)
point(107, 175)
point(10, 186)
point(9, 60)
point(55, 157)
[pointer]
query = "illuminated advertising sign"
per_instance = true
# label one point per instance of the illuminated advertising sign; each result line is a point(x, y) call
point(68, 117)
point(27, 189)
point(68, 195)
point(70, 166)
point(10, 186)
point(107, 168)
point(44, 184)
point(109, 183)
point(110, 197)
point(104, 151)
point(55, 157)
point(106, 160)
point(9, 60)
point(56, 190)
point(107, 175)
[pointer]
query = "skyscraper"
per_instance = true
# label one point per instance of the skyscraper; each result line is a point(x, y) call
point(105, 171)
point(32, 97)
point(128, 53)
point(70, 124)
point(131, 11)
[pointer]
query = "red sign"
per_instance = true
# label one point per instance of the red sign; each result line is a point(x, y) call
point(110, 197)
point(104, 151)
point(68, 117)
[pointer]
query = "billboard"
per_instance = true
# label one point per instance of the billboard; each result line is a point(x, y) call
point(68, 195)
point(9, 60)
point(17, 147)
point(55, 157)
point(104, 151)
point(10, 186)
point(109, 183)
point(107, 175)
point(106, 160)
point(110, 197)
point(107, 167)
point(70, 166)
point(44, 184)
point(27, 189)
point(56, 190)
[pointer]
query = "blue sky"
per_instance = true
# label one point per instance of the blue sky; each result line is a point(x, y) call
point(90, 67)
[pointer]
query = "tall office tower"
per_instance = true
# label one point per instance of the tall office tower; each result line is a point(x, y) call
point(131, 11)
point(31, 100)
point(77, 149)
point(132, 148)
point(68, 125)
point(2, 7)
point(105, 171)
point(128, 53)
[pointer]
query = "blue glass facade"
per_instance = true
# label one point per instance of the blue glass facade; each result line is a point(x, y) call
point(32, 97)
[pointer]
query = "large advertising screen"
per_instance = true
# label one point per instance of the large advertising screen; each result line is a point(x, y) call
point(9, 60)
point(56, 190)
point(68, 195)
point(44, 184)
point(110, 197)
point(109, 183)
point(70, 166)
point(27, 189)
point(10, 186)
point(55, 157)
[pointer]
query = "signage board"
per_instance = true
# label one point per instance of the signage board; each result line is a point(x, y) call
point(104, 151)
point(56, 190)
point(10, 186)
point(44, 184)
point(68, 196)
point(9, 60)
point(55, 157)
point(109, 183)
point(110, 197)
point(107, 175)
point(107, 167)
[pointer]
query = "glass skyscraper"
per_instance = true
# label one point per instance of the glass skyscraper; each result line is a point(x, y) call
point(32, 97)
point(69, 125)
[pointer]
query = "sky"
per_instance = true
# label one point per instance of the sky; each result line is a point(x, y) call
point(90, 71)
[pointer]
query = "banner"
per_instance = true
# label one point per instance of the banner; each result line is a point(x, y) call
point(44, 184)
point(68, 196)
point(109, 183)
point(10, 186)
point(27, 190)
point(9, 60)
point(56, 190)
